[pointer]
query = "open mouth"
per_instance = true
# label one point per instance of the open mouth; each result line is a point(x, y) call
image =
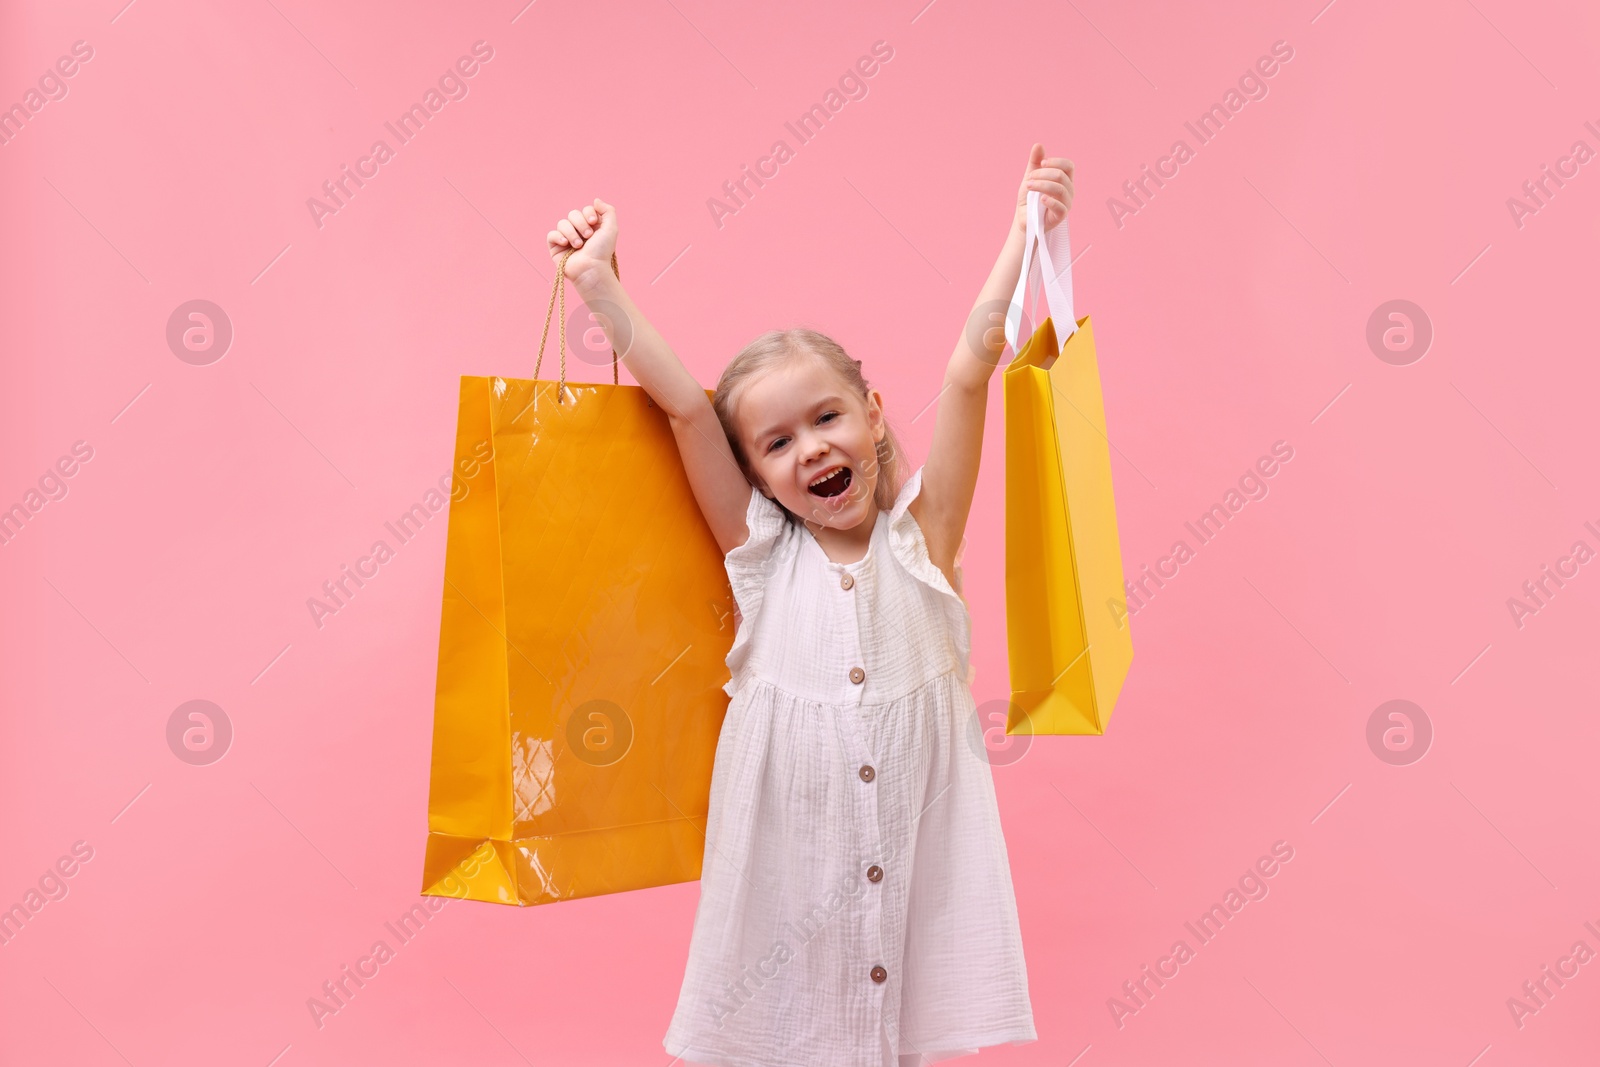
point(836, 482)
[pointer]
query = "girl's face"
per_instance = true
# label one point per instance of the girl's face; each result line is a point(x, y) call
point(812, 443)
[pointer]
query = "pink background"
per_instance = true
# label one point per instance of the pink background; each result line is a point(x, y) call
point(1230, 311)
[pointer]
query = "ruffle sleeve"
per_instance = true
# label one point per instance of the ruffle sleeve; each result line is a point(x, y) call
point(747, 567)
point(911, 549)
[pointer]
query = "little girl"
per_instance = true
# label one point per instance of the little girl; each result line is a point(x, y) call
point(856, 905)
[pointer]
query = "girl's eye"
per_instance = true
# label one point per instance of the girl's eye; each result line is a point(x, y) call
point(826, 416)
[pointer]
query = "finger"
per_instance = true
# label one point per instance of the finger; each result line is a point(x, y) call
point(1035, 156)
point(556, 238)
point(1051, 174)
point(570, 232)
point(1058, 162)
point(580, 223)
point(590, 214)
point(608, 217)
point(1052, 211)
point(1049, 189)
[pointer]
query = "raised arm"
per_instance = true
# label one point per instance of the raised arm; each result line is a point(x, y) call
point(950, 474)
point(719, 485)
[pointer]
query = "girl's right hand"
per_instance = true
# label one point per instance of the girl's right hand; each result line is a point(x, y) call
point(591, 233)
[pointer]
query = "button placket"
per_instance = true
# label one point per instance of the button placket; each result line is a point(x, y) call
point(870, 901)
point(850, 610)
point(875, 977)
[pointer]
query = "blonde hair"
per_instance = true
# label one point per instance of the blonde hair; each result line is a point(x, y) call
point(778, 347)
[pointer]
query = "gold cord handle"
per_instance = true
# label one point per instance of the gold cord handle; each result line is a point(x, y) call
point(558, 290)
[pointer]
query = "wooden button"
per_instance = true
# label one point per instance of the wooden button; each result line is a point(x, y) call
point(879, 974)
point(845, 581)
point(874, 873)
point(867, 773)
point(857, 675)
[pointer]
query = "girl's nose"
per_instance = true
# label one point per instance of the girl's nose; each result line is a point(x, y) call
point(812, 446)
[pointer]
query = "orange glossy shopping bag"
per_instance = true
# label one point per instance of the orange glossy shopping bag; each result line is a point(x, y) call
point(585, 624)
point(1068, 643)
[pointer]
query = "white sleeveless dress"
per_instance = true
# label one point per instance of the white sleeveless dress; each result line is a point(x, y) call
point(856, 905)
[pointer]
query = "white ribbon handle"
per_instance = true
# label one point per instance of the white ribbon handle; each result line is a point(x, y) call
point(1057, 290)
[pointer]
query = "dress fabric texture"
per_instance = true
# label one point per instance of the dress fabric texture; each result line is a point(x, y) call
point(852, 822)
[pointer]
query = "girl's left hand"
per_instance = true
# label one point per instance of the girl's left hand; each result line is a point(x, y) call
point(1053, 179)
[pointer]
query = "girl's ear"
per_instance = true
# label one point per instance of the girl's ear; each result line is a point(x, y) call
point(875, 414)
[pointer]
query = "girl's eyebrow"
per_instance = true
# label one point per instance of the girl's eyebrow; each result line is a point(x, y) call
point(824, 402)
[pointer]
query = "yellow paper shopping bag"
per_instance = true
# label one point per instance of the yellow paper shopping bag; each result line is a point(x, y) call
point(1068, 646)
point(585, 624)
